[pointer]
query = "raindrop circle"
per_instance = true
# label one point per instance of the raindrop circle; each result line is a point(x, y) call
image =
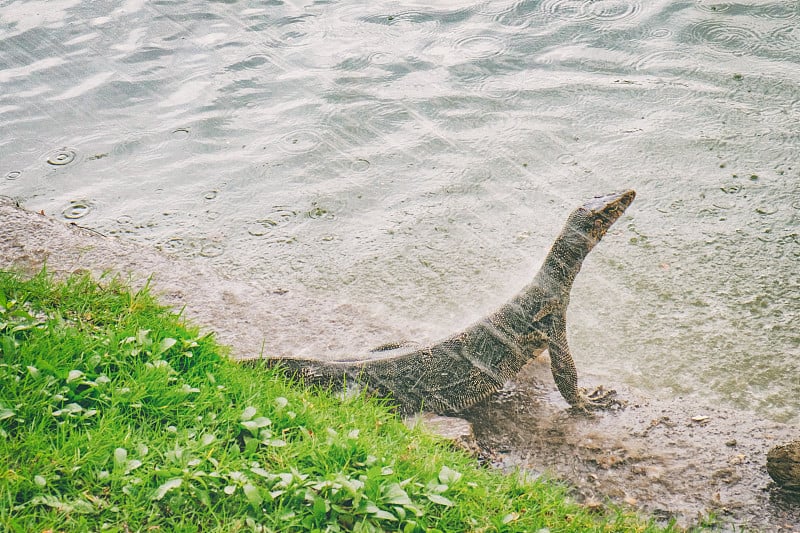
point(360, 165)
point(732, 189)
point(499, 89)
point(179, 245)
point(565, 9)
point(380, 58)
point(212, 249)
point(713, 7)
point(180, 133)
point(567, 159)
point(725, 37)
point(210, 195)
point(256, 229)
point(766, 210)
point(481, 46)
point(300, 141)
point(660, 60)
point(660, 33)
point(493, 9)
point(14, 174)
point(318, 211)
point(612, 10)
point(124, 219)
point(278, 217)
point(76, 210)
point(63, 156)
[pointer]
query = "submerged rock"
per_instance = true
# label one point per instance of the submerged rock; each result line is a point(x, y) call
point(783, 465)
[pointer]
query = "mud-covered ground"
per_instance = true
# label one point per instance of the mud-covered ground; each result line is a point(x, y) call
point(670, 458)
point(673, 459)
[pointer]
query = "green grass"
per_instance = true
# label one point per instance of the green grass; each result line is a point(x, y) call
point(115, 415)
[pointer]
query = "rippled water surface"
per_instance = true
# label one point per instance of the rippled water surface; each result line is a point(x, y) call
point(417, 161)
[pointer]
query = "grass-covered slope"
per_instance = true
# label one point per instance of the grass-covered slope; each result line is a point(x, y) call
point(115, 415)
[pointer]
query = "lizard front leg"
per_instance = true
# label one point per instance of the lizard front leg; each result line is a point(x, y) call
point(566, 375)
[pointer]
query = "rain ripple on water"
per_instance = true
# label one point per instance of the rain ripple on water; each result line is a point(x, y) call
point(596, 10)
point(64, 156)
point(726, 36)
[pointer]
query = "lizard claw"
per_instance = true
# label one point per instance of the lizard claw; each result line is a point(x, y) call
point(599, 399)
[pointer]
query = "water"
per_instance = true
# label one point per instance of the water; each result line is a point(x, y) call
point(416, 162)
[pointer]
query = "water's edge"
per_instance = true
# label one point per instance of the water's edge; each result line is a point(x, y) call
point(672, 458)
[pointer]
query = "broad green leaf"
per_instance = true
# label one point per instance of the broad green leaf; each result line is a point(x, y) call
point(410, 527)
point(133, 464)
point(441, 500)
point(436, 488)
point(253, 495)
point(281, 402)
point(261, 472)
point(395, 495)
point(120, 457)
point(379, 513)
point(448, 476)
point(165, 345)
point(169, 485)
point(203, 496)
point(320, 508)
point(74, 375)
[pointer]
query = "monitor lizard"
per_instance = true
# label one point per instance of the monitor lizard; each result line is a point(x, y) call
point(463, 369)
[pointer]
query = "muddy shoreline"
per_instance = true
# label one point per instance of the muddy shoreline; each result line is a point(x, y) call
point(673, 459)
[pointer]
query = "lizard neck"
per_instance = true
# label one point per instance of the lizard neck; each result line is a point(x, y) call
point(563, 263)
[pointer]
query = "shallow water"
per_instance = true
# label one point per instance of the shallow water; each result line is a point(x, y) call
point(416, 162)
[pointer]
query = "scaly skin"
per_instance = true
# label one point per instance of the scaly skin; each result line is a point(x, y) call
point(468, 367)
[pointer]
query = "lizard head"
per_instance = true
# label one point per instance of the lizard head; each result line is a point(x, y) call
point(591, 221)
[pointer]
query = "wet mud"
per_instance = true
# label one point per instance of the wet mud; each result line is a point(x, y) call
point(672, 459)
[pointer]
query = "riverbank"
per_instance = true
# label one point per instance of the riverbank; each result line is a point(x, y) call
point(652, 455)
point(115, 415)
